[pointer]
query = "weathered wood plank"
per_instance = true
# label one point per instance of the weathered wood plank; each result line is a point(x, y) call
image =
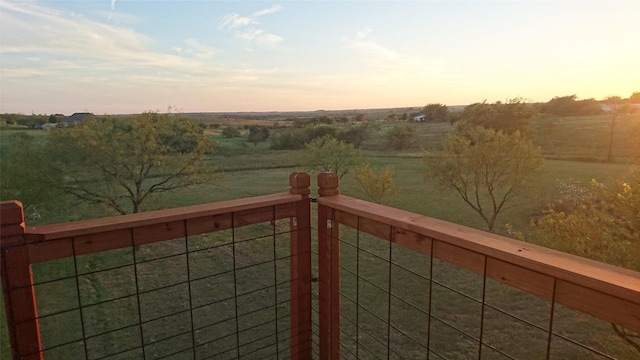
point(411, 240)
point(11, 222)
point(459, 256)
point(159, 232)
point(210, 223)
point(605, 278)
point(300, 270)
point(50, 250)
point(521, 278)
point(604, 306)
point(20, 303)
point(86, 227)
point(45, 243)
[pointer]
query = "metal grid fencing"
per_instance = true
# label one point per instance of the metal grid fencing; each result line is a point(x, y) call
point(220, 295)
point(397, 303)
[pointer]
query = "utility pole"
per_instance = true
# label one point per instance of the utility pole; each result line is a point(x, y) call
point(614, 99)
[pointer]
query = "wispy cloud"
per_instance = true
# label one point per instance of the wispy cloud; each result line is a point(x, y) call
point(387, 64)
point(245, 28)
point(33, 29)
point(113, 4)
point(199, 50)
point(234, 21)
point(259, 36)
point(372, 52)
point(271, 10)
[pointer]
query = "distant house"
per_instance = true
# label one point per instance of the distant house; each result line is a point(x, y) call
point(75, 119)
point(419, 118)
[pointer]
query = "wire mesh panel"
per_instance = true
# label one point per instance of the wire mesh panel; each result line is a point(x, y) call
point(220, 295)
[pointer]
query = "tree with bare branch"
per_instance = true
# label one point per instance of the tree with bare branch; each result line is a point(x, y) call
point(122, 162)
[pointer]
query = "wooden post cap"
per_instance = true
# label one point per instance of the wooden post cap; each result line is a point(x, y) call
point(299, 183)
point(11, 218)
point(328, 183)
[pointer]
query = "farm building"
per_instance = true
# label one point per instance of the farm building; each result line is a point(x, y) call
point(76, 118)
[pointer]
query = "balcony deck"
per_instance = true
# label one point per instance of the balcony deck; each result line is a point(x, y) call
point(254, 278)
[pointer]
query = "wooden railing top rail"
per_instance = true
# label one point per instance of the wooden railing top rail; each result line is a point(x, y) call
point(56, 241)
point(85, 227)
point(603, 290)
point(607, 278)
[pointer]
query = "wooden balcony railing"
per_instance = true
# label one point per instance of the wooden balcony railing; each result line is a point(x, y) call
point(143, 275)
point(231, 280)
point(564, 295)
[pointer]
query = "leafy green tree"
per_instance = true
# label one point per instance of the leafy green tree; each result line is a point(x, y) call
point(594, 222)
point(121, 163)
point(257, 134)
point(514, 115)
point(356, 134)
point(9, 119)
point(297, 139)
point(31, 121)
point(435, 113)
point(231, 132)
point(569, 105)
point(318, 131)
point(487, 168)
point(598, 223)
point(376, 185)
point(401, 136)
point(330, 154)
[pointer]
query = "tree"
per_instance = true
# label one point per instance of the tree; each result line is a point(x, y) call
point(121, 163)
point(635, 98)
point(230, 132)
point(330, 154)
point(487, 168)
point(373, 184)
point(31, 121)
point(568, 105)
point(514, 115)
point(401, 136)
point(594, 222)
point(435, 113)
point(598, 223)
point(356, 135)
point(257, 134)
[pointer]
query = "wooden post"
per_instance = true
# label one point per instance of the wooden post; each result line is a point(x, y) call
point(300, 270)
point(328, 271)
point(17, 284)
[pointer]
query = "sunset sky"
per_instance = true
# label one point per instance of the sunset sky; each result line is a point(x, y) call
point(117, 56)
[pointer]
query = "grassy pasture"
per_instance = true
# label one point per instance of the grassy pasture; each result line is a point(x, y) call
point(251, 171)
point(587, 138)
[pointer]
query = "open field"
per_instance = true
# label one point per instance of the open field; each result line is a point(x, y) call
point(575, 148)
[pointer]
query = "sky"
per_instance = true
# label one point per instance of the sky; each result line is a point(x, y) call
point(120, 57)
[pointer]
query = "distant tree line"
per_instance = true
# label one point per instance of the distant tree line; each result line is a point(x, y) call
point(571, 106)
point(30, 121)
point(297, 139)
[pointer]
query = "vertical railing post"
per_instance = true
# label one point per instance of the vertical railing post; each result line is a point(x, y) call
point(17, 284)
point(328, 271)
point(301, 268)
